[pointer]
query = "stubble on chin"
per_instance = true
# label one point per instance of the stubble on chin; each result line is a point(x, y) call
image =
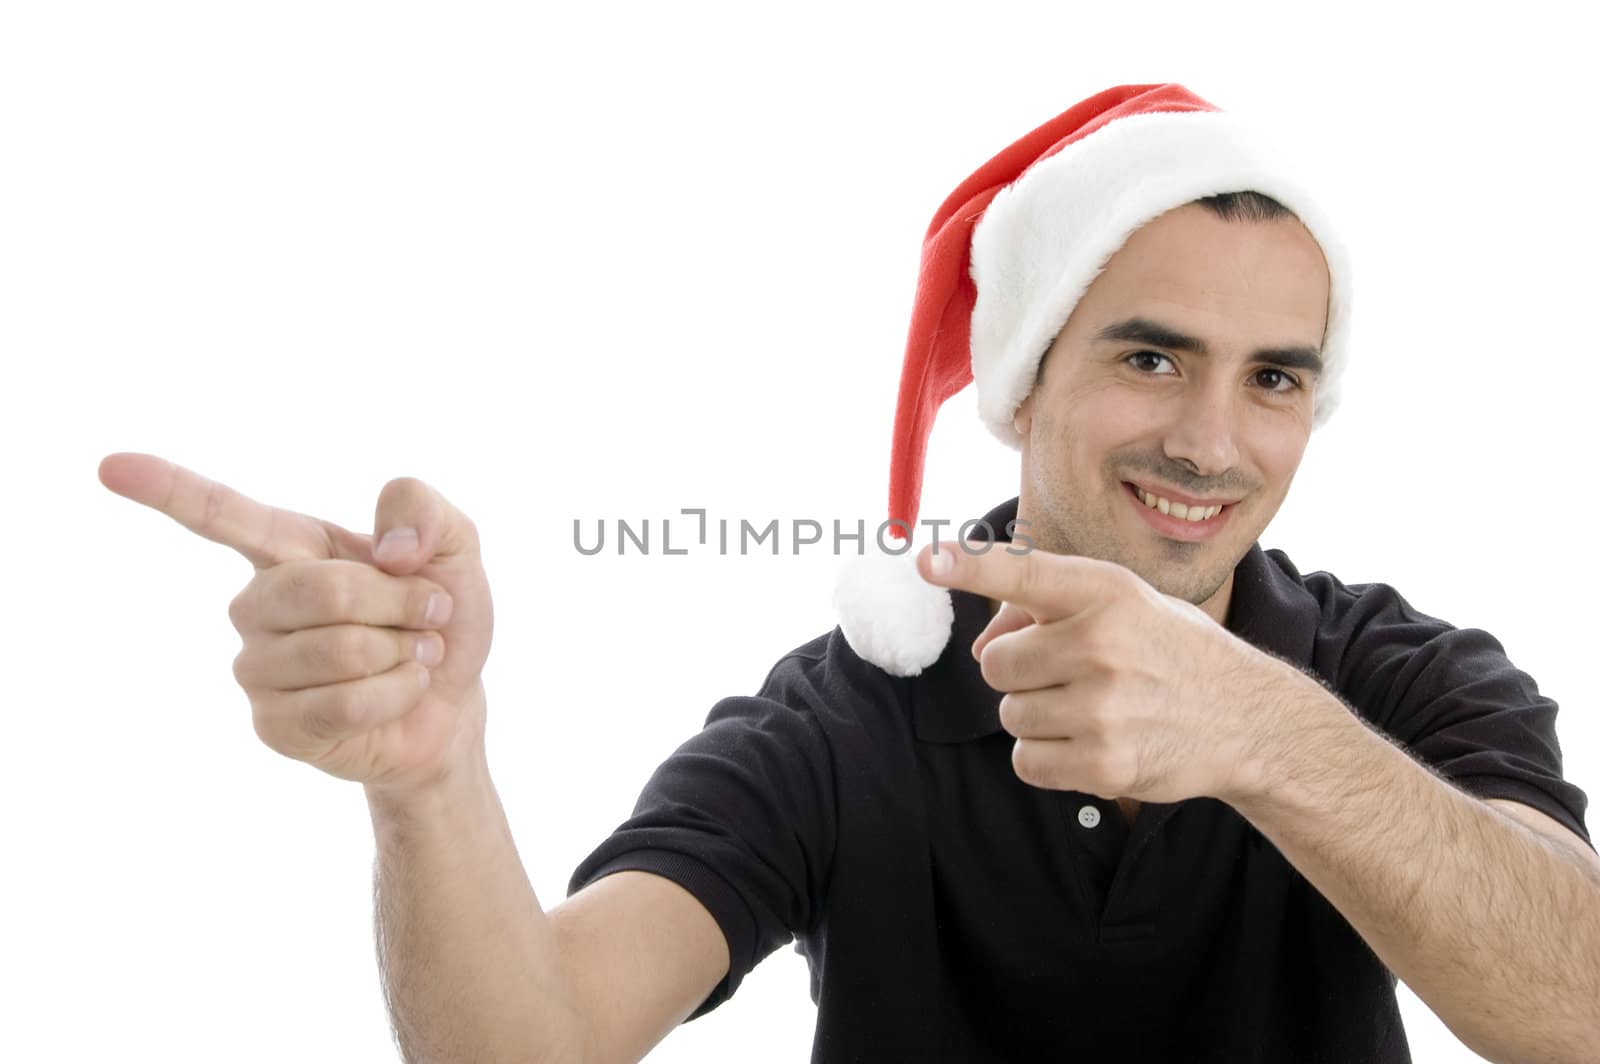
point(1172, 571)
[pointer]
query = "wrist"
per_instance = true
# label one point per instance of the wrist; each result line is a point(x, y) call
point(1284, 709)
point(458, 814)
point(461, 772)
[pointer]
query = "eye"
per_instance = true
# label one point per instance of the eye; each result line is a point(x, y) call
point(1277, 374)
point(1148, 355)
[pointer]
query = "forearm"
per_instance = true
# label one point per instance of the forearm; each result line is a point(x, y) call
point(467, 955)
point(1496, 928)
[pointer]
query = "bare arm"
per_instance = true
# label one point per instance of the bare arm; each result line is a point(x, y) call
point(351, 668)
point(475, 970)
point(1495, 926)
point(467, 957)
point(640, 953)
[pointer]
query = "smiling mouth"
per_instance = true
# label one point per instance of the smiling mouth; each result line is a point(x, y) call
point(1197, 515)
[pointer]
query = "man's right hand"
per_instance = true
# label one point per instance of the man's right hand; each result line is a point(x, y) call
point(345, 667)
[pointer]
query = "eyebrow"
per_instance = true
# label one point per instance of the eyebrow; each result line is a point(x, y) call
point(1145, 331)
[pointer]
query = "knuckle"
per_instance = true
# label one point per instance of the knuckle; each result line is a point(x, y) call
point(1094, 648)
point(314, 652)
point(1057, 578)
point(404, 488)
point(266, 717)
point(245, 608)
point(332, 594)
point(1096, 712)
point(1025, 762)
point(1122, 770)
point(992, 665)
point(216, 496)
point(318, 589)
point(346, 651)
point(294, 586)
point(1032, 571)
point(1011, 713)
point(335, 715)
point(1138, 589)
point(317, 654)
point(1109, 646)
point(239, 608)
point(261, 725)
point(1021, 659)
point(1021, 761)
point(1126, 606)
point(1030, 658)
point(1117, 576)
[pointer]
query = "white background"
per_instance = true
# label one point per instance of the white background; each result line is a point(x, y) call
point(609, 262)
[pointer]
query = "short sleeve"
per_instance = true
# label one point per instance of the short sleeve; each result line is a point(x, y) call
point(1454, 700)
point(742, 815)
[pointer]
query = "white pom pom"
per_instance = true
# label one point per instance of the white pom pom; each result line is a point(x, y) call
point(889, 615)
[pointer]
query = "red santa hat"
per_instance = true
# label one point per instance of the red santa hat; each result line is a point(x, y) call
point(1006, 258)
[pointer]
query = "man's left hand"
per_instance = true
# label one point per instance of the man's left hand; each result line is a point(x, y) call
point(1113, 688)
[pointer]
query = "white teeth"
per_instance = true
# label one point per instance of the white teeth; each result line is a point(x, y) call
point(1177, 509)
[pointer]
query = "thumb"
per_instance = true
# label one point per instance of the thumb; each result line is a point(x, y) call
point(415, 525)
point(1009, 619)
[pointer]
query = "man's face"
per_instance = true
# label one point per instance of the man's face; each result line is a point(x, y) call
point(1125, 399)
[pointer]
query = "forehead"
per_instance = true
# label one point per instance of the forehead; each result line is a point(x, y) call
point(1231, 280)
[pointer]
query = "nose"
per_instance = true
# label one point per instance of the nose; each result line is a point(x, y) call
point(1202, 432)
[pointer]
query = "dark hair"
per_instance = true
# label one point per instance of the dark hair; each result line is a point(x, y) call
point(1245, 207)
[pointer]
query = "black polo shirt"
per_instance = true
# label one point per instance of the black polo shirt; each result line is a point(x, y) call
point(950, 912)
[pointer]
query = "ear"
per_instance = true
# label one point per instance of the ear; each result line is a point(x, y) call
point(1022, 420)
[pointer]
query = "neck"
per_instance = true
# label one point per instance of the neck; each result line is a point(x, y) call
point(1216, 606)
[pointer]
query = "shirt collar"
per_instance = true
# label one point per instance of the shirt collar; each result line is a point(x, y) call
point(951, 703)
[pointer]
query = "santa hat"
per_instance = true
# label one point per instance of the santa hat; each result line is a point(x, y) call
point(1006, 258)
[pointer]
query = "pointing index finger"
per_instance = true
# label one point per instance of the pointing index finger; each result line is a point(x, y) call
point(1048, 586)
point(265, 535)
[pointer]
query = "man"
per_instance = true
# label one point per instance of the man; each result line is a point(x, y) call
point(1130, 815)
point(1128, 795)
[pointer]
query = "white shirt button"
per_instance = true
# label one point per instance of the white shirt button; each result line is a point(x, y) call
point(1089, 816)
